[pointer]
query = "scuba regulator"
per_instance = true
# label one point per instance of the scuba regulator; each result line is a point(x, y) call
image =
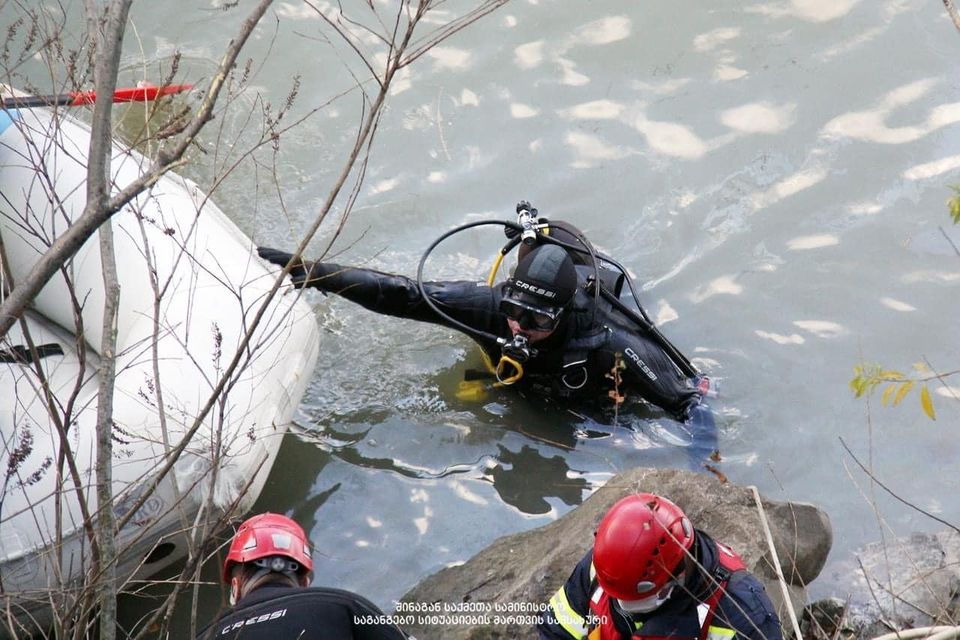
point(530, 229)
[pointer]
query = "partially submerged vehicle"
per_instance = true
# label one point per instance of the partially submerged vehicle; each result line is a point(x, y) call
point(191, 287)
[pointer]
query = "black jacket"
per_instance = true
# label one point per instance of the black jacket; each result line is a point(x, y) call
point(744, 608)
point(577, 360)
point(315, 613)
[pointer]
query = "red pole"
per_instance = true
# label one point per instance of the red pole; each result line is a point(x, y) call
point(78, 98)
point(129, 94)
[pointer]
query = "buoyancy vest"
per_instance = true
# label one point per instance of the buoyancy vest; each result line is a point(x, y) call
point(602, 612)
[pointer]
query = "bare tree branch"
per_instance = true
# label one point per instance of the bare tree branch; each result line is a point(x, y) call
point(452, 27)
point(953, 13)
point(107, 584)
point(346, 38)
point(890, 491)
point(107, 45)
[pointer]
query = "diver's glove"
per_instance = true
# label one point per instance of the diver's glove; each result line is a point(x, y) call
point(303, 274)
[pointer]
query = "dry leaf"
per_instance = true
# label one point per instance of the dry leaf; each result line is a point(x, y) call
point(720, 475)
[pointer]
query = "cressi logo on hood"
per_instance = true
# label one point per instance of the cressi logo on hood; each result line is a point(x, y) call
point(533, 289)
point(546, 273)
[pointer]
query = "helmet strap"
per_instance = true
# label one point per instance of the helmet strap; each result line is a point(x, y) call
point(240, 587)
point(234, 590)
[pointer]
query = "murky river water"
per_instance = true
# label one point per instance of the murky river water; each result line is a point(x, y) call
point(774, 175)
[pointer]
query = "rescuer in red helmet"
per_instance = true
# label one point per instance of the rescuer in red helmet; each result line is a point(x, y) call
point(651, 575)
point(269, 569)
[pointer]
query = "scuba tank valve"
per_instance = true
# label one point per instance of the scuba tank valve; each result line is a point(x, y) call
point(527, 219)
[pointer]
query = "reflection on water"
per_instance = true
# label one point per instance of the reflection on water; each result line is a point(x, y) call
point(413, 490)
point(475, 440)
point(526, 478)
point(348, 449)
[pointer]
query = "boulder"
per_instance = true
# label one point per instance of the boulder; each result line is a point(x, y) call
point(900, 583)
point(497, 593)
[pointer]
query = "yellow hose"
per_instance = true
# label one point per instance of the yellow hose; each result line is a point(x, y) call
point(513, 363)
point(488, 363)
point(496, 267)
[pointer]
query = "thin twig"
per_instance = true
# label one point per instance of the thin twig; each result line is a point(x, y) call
point(776, 564)
point(956, 250)
point(891, 492)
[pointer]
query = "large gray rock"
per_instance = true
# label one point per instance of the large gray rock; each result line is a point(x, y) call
point(522, 571)
point(902, 583)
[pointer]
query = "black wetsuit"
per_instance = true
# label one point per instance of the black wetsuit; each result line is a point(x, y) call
point(576, 360)
point(316, 613)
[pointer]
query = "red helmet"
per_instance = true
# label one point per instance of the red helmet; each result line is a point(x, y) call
point(639, 546)
point(266, 535)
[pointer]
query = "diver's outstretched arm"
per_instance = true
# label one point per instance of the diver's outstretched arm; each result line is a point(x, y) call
point(390, 294)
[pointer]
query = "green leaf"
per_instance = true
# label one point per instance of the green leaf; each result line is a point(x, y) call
point(926, 403)
point(902, 392)
point(954, 204)
point(857, 384)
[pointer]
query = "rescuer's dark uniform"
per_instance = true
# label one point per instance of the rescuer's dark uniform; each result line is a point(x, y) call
point(313, 613)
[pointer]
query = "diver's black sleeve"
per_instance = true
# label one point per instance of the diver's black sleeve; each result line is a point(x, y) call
point(472, 303)
point(651, 372)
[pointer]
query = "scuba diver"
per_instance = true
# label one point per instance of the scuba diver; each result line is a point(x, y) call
point(557, 326)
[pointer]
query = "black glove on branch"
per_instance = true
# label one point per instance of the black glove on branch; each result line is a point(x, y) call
point(301, 274)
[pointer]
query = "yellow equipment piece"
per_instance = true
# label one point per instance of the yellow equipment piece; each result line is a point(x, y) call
point(495, 268)
point(472, 391)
